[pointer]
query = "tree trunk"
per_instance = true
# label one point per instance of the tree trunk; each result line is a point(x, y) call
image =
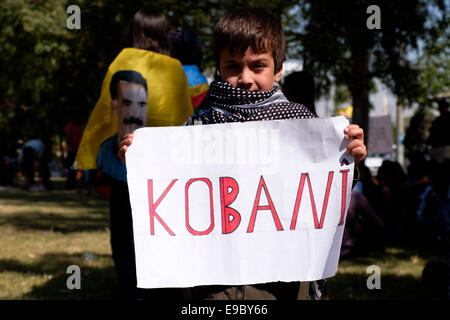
point(359, 88)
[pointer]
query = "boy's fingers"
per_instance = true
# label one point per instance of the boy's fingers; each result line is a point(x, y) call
point(355, 144)
point(122, 151)
point(354, 132)
point(358, 152)
point(357, 149)
point(125, 136)
point(124, 144)
point(128, 137)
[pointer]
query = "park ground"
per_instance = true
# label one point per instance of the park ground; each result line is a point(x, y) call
point(43, 233)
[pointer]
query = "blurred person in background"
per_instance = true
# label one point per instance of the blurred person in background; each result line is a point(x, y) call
point(143, 86)
point(299, 87)
point(33, 161)
point(73, 133)
point(189, 49)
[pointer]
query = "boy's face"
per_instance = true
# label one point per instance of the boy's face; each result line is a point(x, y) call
point(251, 71)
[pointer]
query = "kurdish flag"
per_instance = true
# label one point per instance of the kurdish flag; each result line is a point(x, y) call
point(198, 84)
point(169, 100)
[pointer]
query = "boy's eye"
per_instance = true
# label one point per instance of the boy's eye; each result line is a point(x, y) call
point(259, 66)
point(232, 66)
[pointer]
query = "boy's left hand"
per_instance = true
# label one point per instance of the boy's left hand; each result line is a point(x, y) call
point(356, 148)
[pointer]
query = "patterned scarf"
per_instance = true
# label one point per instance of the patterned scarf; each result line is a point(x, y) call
point(224, 103)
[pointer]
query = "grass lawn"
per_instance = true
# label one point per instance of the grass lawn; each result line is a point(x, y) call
point(401, 267)
point(43, 233)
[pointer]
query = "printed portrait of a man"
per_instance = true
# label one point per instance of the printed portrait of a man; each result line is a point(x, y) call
point(129, 102)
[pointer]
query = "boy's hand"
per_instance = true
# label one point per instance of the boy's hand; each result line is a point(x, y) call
point(356, 148)
point(126, 142)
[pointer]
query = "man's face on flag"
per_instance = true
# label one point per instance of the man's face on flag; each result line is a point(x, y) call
point(130, 107)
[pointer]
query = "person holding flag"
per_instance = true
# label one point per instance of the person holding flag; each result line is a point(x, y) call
point(143, 86)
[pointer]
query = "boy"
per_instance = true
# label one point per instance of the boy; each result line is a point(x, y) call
point(249, 49)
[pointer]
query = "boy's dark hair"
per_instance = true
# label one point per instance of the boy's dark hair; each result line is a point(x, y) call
point(148, 30)
point(129, 76)
point(255, 28)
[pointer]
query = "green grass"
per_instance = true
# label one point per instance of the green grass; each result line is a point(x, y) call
point(42, 233)
point(401, 266)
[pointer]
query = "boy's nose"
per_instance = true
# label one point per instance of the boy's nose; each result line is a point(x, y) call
point(245, 79)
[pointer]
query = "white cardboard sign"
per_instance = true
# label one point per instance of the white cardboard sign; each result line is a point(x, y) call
point(239, 203)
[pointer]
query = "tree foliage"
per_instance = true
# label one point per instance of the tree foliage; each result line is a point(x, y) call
point(339, 48)
point(49, 72)
point(434, 65)
point(29, 33)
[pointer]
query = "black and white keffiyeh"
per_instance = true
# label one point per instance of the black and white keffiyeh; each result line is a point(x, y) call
point(225, 103)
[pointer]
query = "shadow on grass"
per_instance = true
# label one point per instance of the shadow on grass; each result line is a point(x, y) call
point(55, 197)
point(393, 287)
point(98, 283)
point(402, 253)
point(68, 211)
point(404, 249)
point(56, 222)
point(420, 245)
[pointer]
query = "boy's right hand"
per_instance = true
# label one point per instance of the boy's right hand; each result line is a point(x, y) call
point(126, 142)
